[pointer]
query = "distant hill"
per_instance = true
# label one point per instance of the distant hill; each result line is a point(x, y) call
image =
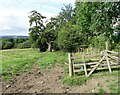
point(14, 36)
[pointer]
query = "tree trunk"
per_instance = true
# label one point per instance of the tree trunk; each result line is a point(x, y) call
point(49, 47)
point(107, 45)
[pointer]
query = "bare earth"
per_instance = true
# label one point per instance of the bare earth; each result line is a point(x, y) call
point(49, 81)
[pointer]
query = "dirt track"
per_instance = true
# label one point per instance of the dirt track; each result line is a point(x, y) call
point(49, 81)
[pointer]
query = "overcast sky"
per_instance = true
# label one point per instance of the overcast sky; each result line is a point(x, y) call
point(14, 13)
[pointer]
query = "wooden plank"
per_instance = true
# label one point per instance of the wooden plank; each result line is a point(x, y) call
point(79, 70)
point(91, 56)
point(113, 57)
point(81, 64)
point(106, 68)
point(91, 63)
point(87, 56)
point(112, 64)
point(70, 65)
point(112, 52)
point(108, 63)
point(84, 66)
point(96, 66)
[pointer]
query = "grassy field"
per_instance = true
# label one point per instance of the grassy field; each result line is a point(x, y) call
point(16, 61)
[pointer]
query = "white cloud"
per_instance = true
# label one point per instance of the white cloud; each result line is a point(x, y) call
point(64, 1)
point(14, 13)
point(10, 19)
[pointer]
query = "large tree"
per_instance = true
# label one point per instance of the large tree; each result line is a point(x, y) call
point(50, 33)
point(83, 13)
point(96, 18)
point(37, 29)
point(65, 15)
point(106, 15)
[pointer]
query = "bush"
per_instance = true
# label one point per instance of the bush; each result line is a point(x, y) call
point(98, 42)
point(34, 45)
point(7, 45)
point(26, 44)
point(69, 38)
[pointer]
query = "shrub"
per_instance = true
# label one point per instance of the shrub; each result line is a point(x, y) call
point(69, 39)
point(98, 42)
point(26, 44)
point(7, 45)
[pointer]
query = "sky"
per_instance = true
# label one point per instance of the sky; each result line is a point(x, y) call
point(14, 13)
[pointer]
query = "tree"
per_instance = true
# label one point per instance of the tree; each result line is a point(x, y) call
point(83, 15)
point(50, 33)
point(7, 43)
point(105, 18)
point(96, 18)
point(37, 29)
point(68, 38)
point(65, 15)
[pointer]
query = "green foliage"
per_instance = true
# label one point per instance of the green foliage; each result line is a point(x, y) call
point(26, 44)
point(66, 14)
point(95, 19)
point(68, 38)
point(98, 42)
point(50, 33)
point(34, 45)
point(7, 43)
point(19, 40)
point(84, 12)
point(36, 29)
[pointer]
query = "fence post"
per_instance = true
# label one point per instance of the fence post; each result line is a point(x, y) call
point(70, 65)
point(85, 69)
point(108, 63)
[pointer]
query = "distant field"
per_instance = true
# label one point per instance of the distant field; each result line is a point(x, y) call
point(15, 61)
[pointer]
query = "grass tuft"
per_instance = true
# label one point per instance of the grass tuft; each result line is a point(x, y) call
point(74, 80)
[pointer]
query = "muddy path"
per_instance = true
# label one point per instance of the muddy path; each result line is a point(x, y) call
point(49, 81)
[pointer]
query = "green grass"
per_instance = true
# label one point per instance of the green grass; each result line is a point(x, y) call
point(74, 80)
point(101, 90)
point(113, 87)
point(15, 61)
point(49, 59)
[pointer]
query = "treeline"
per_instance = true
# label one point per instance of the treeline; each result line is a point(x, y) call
point(9, 43)
point(88, 24)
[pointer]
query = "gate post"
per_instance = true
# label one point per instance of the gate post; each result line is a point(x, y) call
point(108, 63)
point(70, 64)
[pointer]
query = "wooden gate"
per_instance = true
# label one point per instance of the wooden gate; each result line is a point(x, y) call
point(90, 62)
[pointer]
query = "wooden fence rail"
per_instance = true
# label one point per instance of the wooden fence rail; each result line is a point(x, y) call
point(89, 62)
